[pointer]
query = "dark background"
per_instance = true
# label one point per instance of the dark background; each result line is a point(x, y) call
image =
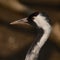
point(15, 40)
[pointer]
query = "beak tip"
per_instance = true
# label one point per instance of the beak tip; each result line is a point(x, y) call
point(22, 21)
point(11, 23)
point(15, 22)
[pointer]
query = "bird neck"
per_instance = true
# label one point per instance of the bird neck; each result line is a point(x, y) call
point(33, 54)
point(44, 38)
point(40, 22)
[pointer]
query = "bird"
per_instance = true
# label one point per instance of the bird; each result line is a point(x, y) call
point(41, 22)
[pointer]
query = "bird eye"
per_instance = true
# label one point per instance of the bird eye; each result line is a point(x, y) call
point(31, 17)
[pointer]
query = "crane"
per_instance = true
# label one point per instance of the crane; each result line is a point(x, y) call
point(40, 21)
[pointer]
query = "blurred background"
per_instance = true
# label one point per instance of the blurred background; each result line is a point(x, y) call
point(15, 40)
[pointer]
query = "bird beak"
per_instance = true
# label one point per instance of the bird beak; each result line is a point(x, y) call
point(19, 22)
point(22, 23)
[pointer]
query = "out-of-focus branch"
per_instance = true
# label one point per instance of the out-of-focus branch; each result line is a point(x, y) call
point(42, 2)
point(13, 5)
point(55, 35)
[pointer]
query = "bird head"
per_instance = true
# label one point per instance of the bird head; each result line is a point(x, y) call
point(39, 19)
point(36, 19)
